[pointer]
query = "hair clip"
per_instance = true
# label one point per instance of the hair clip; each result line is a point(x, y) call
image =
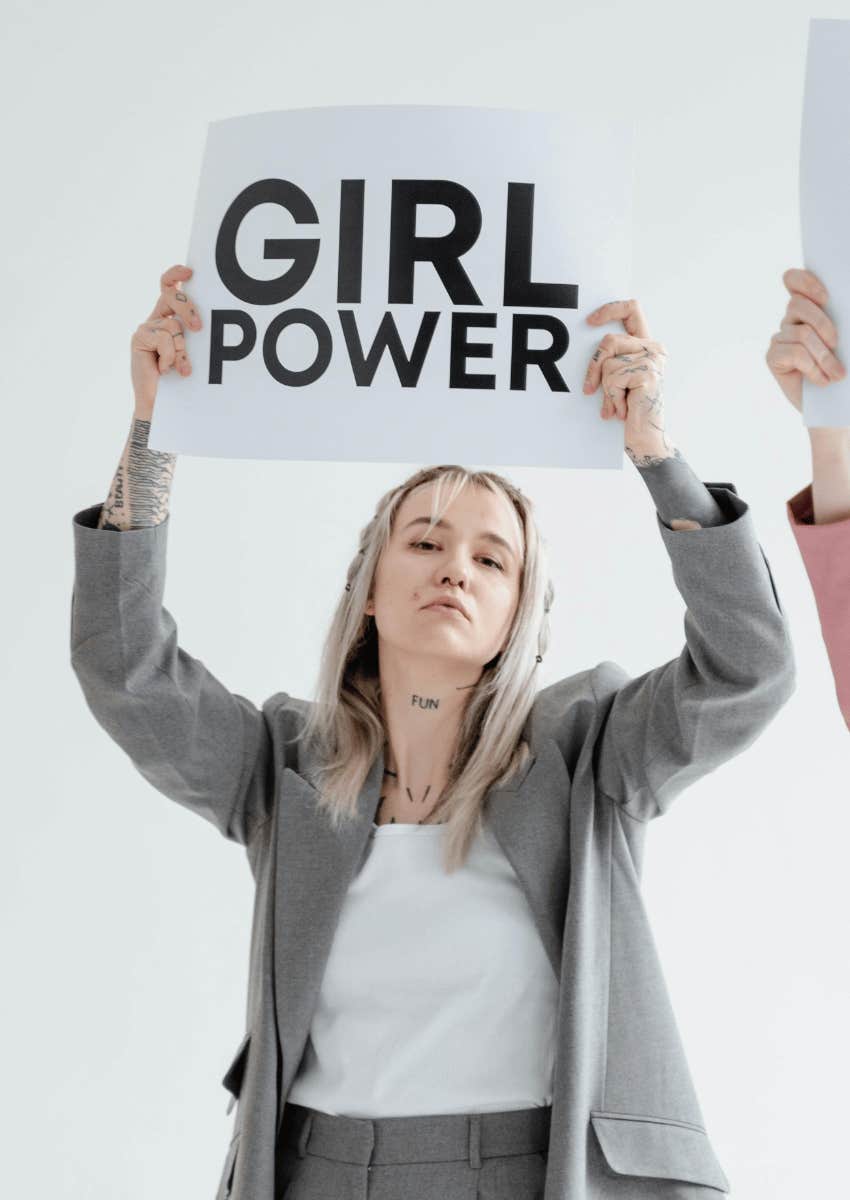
point(540, 658)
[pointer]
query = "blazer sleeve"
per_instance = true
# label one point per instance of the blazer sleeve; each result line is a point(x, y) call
point(197, 743)
point(660, 731)
point(825, 550)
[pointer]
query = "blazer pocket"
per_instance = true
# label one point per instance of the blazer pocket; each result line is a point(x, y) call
point(657, 1148)
point(235, 1073)
point(225, 1184)
point(772, 582)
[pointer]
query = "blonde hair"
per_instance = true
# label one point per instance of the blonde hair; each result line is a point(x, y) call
point(346, 719)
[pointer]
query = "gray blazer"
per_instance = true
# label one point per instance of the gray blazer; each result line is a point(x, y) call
point(608, 753)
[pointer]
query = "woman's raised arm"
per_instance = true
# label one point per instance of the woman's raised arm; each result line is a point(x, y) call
point(661, 731)
point(192, 739)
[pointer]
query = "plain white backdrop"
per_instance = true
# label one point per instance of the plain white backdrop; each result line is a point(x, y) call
point(125, 919)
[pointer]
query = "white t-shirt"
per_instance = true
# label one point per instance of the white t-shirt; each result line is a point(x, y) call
point(438, 996)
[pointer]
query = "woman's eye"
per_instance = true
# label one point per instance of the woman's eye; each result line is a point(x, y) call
point(485, 557)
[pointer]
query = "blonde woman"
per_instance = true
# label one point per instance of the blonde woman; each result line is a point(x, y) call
point(453, 986)
point(806, 344)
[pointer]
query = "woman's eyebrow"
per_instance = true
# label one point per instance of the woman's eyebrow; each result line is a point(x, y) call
point(487, 534)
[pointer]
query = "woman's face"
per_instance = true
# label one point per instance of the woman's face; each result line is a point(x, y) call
point(474, 557)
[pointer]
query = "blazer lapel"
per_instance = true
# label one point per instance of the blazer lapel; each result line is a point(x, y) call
point(530, 820)
point(315, 864)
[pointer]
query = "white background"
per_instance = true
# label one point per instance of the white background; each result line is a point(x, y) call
point(125, 918)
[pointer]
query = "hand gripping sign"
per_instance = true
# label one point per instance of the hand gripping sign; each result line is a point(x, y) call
point(403, 284)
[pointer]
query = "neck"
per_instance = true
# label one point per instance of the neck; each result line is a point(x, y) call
point(423, 705)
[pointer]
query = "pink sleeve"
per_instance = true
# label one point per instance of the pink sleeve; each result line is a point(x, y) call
point(826, 555)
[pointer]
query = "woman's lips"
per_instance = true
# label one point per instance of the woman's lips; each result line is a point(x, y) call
point(444, 608)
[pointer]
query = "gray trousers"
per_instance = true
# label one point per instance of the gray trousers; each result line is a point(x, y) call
point(452, 1156)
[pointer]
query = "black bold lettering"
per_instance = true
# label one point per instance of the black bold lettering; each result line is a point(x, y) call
point(219, 353)
point(461, 350)
point(303, 251)
point(387, 337)
point(522, 355)
point(519, 291)
point(349, 280)
point(406, 249)
point(324, 348)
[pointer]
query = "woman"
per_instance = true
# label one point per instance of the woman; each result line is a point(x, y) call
point(453, 986)
point(819, 514)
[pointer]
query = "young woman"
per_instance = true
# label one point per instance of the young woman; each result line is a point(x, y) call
point(453, 987)
point(819, 513)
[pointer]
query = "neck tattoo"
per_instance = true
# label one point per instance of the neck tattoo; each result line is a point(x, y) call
point(392, 820)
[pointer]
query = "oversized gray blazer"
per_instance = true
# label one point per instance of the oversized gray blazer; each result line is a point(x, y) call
point(608, 753)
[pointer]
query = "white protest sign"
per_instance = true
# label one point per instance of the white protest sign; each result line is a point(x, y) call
point(825, 200)
point(403, 284)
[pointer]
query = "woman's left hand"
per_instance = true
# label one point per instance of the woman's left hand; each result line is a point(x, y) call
point(630, 367)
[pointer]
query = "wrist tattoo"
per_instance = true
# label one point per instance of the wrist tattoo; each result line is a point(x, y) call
point(652, 460)
point(141, 488)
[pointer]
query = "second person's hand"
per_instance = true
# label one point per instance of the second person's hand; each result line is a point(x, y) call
point(806, 340)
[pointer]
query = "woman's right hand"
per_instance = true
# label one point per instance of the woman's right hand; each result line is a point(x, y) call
point(159, 344)
point(806, 339)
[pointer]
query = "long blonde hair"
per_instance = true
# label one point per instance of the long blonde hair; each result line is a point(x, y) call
point(346, 719)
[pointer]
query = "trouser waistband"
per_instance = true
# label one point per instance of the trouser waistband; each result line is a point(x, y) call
point(439, 1137)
